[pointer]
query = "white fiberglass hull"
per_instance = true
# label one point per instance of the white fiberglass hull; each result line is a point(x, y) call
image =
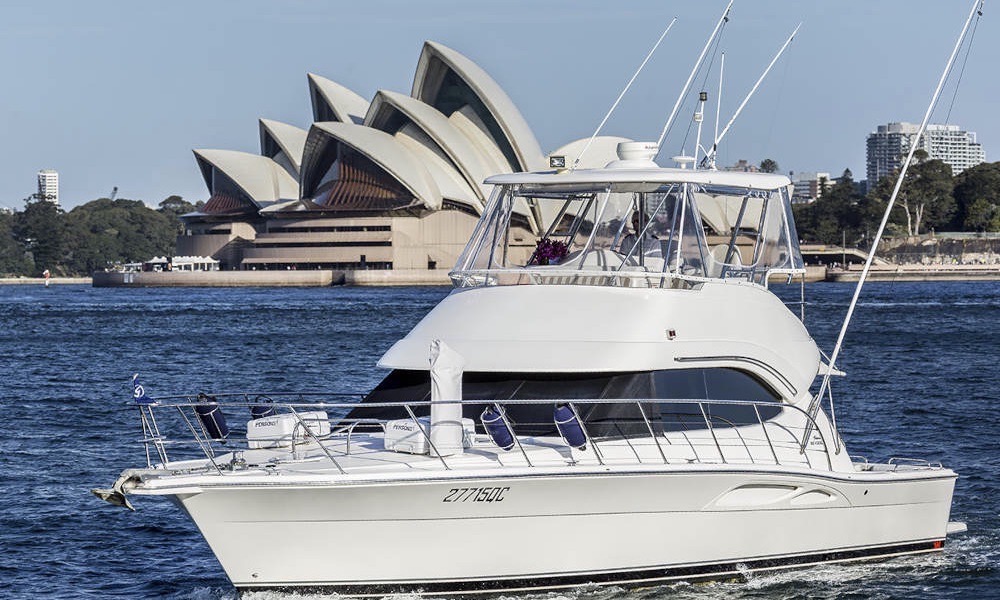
point(551, 530)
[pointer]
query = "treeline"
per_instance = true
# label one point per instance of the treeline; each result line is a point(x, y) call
point(930, 199)
point(90, 237)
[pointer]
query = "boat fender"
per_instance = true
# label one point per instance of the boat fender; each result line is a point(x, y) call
point(212, 419)
point(263, 408)
point(569, 426)
point(496, 426)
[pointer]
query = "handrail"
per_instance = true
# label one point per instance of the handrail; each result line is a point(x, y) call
point(539, 274)
point(327, 444)
point(309, 432)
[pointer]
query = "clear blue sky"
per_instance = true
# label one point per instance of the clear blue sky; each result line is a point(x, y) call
point(118, 93)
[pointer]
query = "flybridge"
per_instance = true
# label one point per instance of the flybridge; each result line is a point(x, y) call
point(631, 225)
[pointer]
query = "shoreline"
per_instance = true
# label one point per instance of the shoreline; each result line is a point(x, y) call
point(918, 273)
point(814, 274)
point(41, 281)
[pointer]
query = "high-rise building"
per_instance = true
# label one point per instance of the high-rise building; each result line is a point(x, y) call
point(48, 185)
point(889, 144)
point(810, 186)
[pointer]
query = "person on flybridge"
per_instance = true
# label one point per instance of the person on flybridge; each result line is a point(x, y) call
point(631, 239)
point(655, 231)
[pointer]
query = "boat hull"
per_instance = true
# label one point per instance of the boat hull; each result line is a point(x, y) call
point(486, 534)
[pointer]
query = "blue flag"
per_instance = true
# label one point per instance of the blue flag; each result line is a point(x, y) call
point(139, 393)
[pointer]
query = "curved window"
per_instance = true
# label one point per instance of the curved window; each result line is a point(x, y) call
point(615, 419)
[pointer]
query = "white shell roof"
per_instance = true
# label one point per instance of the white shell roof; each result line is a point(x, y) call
point(263, 180)
point(290, 138)
point(385, 151)
point(348, 106)
point(496, 100)
point(462, 152)
point(761, 181)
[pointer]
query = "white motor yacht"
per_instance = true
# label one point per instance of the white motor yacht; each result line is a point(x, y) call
point(619, 400)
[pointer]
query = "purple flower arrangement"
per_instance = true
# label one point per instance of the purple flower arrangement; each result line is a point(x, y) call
point(550, 252)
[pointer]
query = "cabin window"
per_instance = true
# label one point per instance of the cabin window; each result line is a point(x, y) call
point(603, 420)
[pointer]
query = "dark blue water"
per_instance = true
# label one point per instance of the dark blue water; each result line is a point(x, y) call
point(923, 381)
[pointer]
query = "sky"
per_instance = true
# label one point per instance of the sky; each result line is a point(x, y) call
point(118, 93)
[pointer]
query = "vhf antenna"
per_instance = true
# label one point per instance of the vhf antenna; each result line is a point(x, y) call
point(622, 95)
point(710, 157)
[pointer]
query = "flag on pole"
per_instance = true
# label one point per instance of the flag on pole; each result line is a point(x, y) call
point(139, 393)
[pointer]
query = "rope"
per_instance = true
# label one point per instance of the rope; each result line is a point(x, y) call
point(965, 61)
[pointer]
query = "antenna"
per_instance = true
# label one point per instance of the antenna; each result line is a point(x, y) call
point(753, 90)
point(697, 65)
point(710, 158)
point(814, 404)
point(622, 95)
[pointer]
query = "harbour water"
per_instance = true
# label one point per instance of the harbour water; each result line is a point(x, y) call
point(922, 382)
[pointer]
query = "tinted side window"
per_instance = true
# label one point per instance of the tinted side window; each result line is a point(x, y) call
point(711, 384)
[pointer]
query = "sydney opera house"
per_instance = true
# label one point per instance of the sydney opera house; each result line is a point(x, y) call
point(393, 184)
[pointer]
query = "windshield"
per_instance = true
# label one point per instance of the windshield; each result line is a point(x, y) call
point(623, 234)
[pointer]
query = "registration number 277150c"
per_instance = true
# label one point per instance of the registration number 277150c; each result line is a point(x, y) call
point(486, 494)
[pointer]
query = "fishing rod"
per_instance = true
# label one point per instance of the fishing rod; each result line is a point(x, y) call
point(813, 409)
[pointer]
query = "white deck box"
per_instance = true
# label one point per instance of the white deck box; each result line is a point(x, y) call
point(281, 431)
point(402, 435)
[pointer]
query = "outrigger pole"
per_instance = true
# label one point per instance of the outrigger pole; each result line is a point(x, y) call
point(977, 6)
point(710, 156)
point(697, 65)
point(624, 91)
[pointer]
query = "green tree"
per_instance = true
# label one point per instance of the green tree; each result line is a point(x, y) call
point(977, 198)
point(769, 166)
point(12, 256)
point(41, 230)
point(106, 231)
point(175, 206)
point(926, 197)
point(837, 211)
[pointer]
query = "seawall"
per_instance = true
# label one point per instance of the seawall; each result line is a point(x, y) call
point(220, 279)
point(41, 281)
point(920, 273)
point(317, 278)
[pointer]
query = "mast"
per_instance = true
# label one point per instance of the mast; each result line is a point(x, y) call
point(825, 385)
point(699, 118)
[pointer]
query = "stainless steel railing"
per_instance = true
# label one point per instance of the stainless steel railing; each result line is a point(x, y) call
point(685, 430)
